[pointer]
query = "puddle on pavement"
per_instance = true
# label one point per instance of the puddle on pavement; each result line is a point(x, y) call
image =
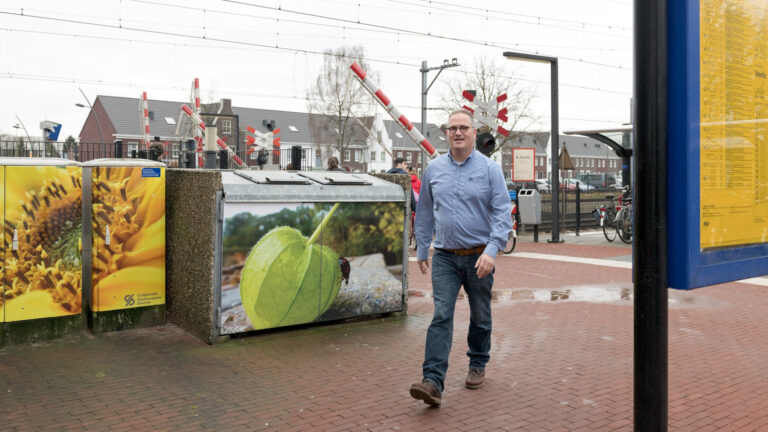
point(570, 294)
point(578, 294)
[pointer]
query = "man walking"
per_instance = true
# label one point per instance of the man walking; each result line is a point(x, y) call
point(465, 203)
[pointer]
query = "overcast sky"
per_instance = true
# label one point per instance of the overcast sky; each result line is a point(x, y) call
point(265, 53)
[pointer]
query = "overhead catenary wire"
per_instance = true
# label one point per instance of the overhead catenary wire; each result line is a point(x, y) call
point(473, 11)
point(361, 27)
point(408, 31)
point(270, 47)
point(377, 26)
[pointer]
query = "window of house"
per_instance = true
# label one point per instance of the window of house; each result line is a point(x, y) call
point(357, 155)
point(226, 127)
point(132, 146)
point(418, 157)
point(400, 154)
point(408, 157)
point(373, 156)
point(346, 155)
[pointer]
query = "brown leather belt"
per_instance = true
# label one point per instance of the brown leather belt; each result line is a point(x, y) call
point(465, 252)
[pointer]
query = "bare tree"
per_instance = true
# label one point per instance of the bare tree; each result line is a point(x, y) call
point(336, 100)
point(489, 80)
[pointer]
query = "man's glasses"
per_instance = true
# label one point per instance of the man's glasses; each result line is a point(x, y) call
point(453, 129)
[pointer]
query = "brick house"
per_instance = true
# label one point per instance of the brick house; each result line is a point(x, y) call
point(590, 156)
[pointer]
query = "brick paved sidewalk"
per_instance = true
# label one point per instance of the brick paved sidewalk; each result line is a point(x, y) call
point(561, 361)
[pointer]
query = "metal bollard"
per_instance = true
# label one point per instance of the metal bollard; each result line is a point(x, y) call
point(223, 159)
point(118, 148)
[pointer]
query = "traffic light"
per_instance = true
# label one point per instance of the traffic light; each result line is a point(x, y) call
point(485, 143)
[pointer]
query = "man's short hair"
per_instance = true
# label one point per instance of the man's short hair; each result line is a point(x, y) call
point(399, 160)
point(460, 111)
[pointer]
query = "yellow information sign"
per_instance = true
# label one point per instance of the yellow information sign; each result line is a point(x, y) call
point(734, 118)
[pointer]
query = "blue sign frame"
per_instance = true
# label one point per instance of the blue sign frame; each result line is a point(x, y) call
point(688, 266)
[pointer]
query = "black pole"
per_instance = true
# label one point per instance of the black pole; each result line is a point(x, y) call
point(555, 152)
point(626, 160)
point(578, 208)
point(650, 200)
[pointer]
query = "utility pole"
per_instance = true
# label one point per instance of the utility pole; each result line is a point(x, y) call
point(424, 90)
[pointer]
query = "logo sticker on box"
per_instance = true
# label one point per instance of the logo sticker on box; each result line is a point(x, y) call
point(150, 172)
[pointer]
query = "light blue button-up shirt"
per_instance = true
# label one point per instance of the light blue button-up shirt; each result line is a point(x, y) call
point(465, 204)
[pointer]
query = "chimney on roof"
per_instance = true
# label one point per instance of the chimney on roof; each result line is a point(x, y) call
point(226, 106)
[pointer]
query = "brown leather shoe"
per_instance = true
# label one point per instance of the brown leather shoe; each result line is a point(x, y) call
point(475, 378)
point(427, 392)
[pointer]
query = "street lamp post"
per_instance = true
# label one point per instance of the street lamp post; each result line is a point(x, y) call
point(424, 90)
point(554, 137)
point(23, 127)
point(98, 123)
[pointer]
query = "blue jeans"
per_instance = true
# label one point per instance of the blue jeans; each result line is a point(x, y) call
point(449, 273)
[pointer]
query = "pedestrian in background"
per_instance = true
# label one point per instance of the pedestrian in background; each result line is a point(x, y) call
point(399, 167)
point(333, 164)
point(415, 185)
point(464, 202)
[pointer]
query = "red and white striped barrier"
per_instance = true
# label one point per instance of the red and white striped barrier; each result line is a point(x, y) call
point(198, 134)
point(379, 95)
point(145, 108)
point(201, 125)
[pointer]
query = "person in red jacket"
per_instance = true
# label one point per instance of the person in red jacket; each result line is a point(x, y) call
point(415, 184)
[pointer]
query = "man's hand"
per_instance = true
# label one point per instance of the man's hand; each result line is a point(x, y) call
point(423, 265)
point(484, 265)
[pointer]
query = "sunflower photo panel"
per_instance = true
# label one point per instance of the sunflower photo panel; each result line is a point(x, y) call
point(128, 224)
point(42, 224)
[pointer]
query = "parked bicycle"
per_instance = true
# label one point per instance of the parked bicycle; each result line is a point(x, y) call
point(610, 215)
point(512, 241)
point(624, 219)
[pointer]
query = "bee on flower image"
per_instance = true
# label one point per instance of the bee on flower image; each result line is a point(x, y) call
point(42, 240)
point(128, 225)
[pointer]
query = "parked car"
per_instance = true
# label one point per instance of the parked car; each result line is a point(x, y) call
point(597, 180)
point(542, 185)
point(570, 184)
point(511, 184)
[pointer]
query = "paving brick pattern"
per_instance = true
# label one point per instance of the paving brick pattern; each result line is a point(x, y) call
point(561, 361)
